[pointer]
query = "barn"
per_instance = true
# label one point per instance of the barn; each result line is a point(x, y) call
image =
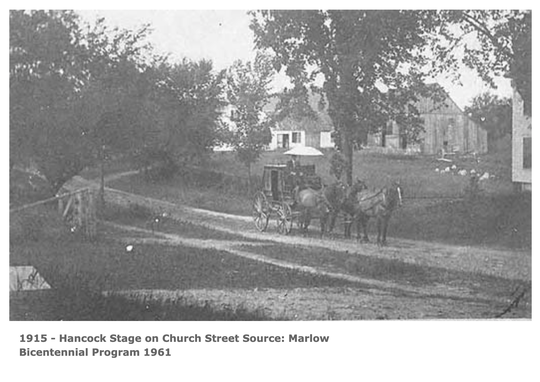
point(446, 128)
point(521, 145)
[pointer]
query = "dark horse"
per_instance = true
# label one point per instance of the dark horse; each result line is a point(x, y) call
point(311, 204)
point(377, 204)
point(342, 198)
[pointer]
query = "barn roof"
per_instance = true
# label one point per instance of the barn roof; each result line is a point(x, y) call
point(427, 105)
point(323, 122)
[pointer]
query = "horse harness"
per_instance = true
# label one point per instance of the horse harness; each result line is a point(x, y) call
point(367, 208)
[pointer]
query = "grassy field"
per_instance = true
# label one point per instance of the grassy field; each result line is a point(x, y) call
point(79, 271)
point(435, 207)
point(394, 271)
point(416, 173)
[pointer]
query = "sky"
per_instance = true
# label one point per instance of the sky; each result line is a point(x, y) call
point(224, 36)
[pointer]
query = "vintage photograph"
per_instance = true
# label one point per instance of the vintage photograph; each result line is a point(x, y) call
point(270, 165)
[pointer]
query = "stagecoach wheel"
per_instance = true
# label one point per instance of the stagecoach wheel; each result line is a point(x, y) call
point(284, 219)
point(260, 211)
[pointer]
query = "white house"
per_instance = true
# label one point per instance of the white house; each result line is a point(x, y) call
point(291, 132)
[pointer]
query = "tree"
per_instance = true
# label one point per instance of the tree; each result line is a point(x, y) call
point(189, 96)
point(492, 42)
point(248, 91)
point(68, 90)
point(45, 73)
point(359, 55)
point(493, 113)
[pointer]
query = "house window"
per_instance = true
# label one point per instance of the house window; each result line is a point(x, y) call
point(296, 137)
point(283, 141)
point(527, 152)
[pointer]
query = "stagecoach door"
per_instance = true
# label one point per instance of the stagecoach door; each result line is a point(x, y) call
point(274, 179)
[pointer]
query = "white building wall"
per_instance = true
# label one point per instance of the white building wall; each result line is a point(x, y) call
point(277, 141)
point(521, 128)
point(326, 140)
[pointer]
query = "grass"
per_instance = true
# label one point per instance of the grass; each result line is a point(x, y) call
point(113, 166)
point(142, 217)
point(79, 271)
point(180, 190)
point(82, 305)
point(492, 220)
point(434, 209)
point(394, 271)
point(416, 173)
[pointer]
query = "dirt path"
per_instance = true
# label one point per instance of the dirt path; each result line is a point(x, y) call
point(508, 264)
point(371, 299)
point(232, 247)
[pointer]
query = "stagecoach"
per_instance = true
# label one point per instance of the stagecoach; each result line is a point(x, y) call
point(290, 192)
point(277, 194)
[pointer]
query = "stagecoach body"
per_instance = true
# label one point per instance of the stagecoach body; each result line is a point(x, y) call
point(276, 196)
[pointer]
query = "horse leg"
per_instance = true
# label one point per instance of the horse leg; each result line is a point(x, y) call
point(359, 224)
point(307, 220)
point(333, 217)
point(323, 225)
point(365, 239)
point(379, 231)
point(348, 226)
point(384, 229)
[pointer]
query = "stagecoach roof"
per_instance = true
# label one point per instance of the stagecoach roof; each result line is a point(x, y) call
point(306, 151)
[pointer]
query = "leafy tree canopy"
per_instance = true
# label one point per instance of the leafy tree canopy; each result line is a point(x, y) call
point(360, 56)
point(493, 113)
point(492, 42)
point(248, 91)
point(80, 93)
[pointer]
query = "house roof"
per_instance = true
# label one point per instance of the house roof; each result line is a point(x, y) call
point(320, 121)
point(323, 122)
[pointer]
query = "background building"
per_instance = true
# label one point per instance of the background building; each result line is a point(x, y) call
point(521, 145)
point(446, 127)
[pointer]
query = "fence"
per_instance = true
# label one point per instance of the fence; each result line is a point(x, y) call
point(77, 208)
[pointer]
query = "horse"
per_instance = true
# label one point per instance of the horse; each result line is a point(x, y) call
point(311, 204)
point(380, 205)
point(342, 199)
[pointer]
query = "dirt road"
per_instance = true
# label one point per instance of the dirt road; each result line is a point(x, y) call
point(509, 264)
point(372, 299)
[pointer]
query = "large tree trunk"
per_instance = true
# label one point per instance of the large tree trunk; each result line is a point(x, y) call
point(347, 149)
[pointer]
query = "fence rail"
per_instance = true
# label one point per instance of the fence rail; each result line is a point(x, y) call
point(78, 209)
